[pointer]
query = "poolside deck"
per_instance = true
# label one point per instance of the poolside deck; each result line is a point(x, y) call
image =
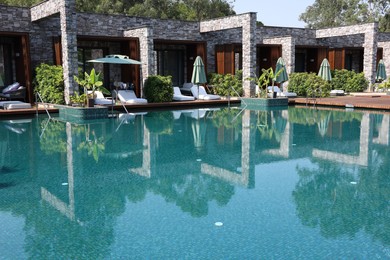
point(130, 108)
point(377, 101)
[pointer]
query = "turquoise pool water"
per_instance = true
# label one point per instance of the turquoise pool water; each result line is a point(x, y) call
point(297, 183)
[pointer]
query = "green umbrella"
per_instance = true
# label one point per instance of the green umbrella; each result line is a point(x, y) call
point(116, 59)
point(381, 71)
point(1, 82)
point(282, 75)
point(325, 70)
point(198, 73)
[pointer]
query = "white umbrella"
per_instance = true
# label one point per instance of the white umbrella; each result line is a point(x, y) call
point(116, 59)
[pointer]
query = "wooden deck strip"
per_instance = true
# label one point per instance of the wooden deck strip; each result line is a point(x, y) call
point(132, 108)
point(381, 102)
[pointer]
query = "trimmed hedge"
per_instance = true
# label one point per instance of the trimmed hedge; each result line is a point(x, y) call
point(308, 84)
point(349, 81)
point(158, 89)
point(49, 82)
point(222, 83)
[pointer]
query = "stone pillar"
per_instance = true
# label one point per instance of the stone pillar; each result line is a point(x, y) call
point(148, 59)
point(248, 135)
point(370, 51)
point(68, 19)
point(249, 53)
point(288, 53)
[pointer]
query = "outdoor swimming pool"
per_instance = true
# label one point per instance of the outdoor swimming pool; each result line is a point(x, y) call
point(298, 183)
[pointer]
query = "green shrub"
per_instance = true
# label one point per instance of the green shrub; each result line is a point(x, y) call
point(159, 122)
point(296, 83)
point(340, 78)
point(349, 81)
point(358, 83)
point(308, 84)
point(316, 86)
point(222, 84)
point(158, 89)
point(49, 83)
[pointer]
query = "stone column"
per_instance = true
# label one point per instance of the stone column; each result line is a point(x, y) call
point(288, 53)
point(249, 53)
point(370, 51)
point(148, 59)
point(68, 19)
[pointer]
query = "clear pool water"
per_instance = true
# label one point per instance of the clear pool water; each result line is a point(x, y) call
point(298, 183)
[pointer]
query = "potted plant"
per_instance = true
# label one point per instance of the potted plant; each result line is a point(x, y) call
point(262, 99)
point(78, 100)
point(91, 82)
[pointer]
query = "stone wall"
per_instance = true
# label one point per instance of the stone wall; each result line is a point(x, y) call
point(15, 19)
point(114, 26)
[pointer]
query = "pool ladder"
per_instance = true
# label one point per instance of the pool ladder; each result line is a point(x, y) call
point(45, 105)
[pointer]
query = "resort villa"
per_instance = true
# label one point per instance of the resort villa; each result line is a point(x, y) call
point(53, 32)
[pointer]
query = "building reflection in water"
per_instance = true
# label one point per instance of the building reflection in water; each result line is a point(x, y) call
point(101, 165)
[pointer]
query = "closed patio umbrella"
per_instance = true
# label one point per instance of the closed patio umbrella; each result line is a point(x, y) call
point(198, 73)
point(381, 71)
point(325, 70)
point(281, 66)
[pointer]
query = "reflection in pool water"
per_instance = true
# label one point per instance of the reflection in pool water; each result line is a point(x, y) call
point(292, 183)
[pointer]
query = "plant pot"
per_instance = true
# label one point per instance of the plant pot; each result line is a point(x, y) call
point(91, 102)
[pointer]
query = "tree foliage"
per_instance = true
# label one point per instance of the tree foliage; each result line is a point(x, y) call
point(189, 10)
point(330, 13)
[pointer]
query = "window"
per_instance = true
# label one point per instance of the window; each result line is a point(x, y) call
point(171, 63)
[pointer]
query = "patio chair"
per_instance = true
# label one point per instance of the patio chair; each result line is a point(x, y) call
point(100, 99)
point(178, 96)
point(200, 93)
point(129, 97)
point(13, 91)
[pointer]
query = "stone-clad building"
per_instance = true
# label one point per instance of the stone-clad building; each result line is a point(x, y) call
point(53, 32)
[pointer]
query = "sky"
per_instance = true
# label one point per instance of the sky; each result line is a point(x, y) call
point(285, 14)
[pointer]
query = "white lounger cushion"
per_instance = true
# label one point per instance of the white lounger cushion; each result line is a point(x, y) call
point(9, 105)
point(200, 93)
point(100, 99)
point(337, 92)
point(129, 97)
point(280, 93)
point(178, 96)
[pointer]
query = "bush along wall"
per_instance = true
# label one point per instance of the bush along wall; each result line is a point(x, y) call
point(308, 84)
point(349, 81)
point(49, 82)
point(158, 89)
point(223, 84)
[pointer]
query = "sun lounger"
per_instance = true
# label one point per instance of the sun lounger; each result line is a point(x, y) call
point(186, 89)
point(100, 99)
point(10, 105)
point(129, 97)
point(280, 93)
point(178, 96)
point(200, 93)
point(337, 92)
